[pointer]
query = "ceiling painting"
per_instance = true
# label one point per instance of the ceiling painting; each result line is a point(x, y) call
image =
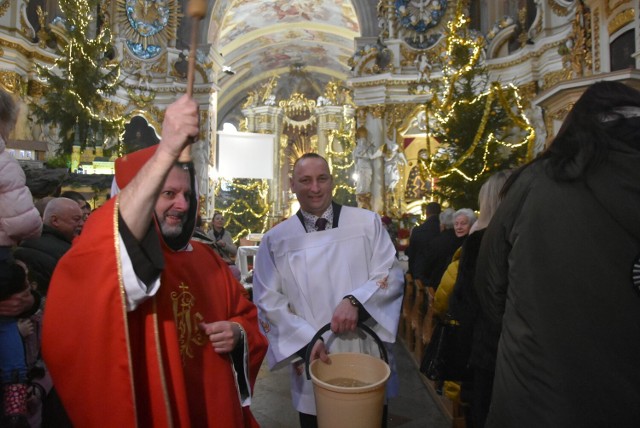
point(259, 39)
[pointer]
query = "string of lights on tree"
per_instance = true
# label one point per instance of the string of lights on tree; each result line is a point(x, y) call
point(241, 217)
point(82, 79)
point(340, 158)
point(474, 127)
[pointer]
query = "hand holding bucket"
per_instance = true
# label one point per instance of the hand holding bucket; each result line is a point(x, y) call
point(350, 391)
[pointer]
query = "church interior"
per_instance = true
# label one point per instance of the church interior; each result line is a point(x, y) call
point(410, 101)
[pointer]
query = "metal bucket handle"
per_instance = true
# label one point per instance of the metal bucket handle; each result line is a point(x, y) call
point(327, 327)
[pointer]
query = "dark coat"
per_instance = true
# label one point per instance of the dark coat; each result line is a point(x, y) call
point(555, 267)
point(432, 261)
point(42, 254)
point(420, 238)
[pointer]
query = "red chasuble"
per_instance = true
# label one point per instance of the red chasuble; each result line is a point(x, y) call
point(152, 367)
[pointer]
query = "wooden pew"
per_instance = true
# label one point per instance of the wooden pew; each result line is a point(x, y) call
point(427, 322)
point(404, 327)
point(417, 315)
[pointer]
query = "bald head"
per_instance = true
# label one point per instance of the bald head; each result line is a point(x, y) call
point(65, 216)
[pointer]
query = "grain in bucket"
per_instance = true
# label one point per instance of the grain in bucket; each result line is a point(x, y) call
point(350, 392)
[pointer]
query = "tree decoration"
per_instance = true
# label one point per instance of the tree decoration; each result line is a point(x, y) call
point(244, 204)
point(81, 80)
point(475, 127)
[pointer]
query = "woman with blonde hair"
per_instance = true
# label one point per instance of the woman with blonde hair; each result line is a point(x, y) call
point(461, 305)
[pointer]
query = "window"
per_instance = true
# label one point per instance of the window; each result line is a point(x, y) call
point(621, 50)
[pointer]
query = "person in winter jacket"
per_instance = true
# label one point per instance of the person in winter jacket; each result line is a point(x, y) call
point(19, 219)
point(558, 266)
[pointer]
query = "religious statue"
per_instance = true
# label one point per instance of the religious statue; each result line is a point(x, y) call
point(364, 154)
point(424, 68)
point(392, 161)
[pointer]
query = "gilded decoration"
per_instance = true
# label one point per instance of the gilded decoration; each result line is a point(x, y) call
point(620, 20)
point(371, 60)
point(611, 5)
point(183, 77)
point(26, 53)
point(148, 25)
point(548, 125)
point(152, 115)
point(576, 53)
point(561, 114)
point(11, 81)
point(402, 114)
point(410, 55)
point(189, 335)
point(297, 104)
point(419, 21)
point(528, 92)
point(141, 99)
point(4, 6)
point(36, 89)
point(596, 40)
point(524, 58)
point(134, 65)
point(557, 8)
point(553, 78)
point(25, 28)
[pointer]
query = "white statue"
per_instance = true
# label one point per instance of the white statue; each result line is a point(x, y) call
point(392, 162)
point(537, 122)
point(364, 154)
point(424, 68)
point(270, 101)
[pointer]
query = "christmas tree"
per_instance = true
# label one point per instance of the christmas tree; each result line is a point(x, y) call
point(476, 127)
point(84, 76)
point(340, 158)
point(243, 203)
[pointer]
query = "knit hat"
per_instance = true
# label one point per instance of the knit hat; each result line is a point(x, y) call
point(12, 279)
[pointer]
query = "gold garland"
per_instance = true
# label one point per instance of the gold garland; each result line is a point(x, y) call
point(239, 207)
point(444, 108)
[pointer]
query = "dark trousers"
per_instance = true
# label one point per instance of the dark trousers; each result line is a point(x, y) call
point(311, 421)
point(53, 414)
point(481, 398)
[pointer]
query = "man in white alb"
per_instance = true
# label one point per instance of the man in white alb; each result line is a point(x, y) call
point(326, 264)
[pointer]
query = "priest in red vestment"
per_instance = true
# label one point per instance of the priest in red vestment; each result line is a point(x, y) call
point(143, 326)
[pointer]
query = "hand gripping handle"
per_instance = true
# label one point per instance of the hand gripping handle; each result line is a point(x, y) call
point(361, 326)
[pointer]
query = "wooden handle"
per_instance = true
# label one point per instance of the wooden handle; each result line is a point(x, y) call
point(196, 9)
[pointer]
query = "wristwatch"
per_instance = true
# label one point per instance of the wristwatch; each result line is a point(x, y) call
point(353, 300)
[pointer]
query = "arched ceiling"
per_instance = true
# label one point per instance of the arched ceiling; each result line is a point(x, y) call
point(260, 39)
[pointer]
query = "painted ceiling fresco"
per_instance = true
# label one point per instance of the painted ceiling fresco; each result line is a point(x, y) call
point(260, 38)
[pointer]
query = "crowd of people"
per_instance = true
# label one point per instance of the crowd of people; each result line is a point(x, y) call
point(543, 284)
point(544, 292)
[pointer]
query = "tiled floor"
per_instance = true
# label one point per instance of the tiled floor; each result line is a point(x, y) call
point(413, 408)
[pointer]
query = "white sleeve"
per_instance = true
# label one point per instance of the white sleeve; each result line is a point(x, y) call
point(136, 291)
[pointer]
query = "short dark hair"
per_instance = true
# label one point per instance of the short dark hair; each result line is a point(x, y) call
point(12, 278)
point(433, 208)
point(308, 156)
